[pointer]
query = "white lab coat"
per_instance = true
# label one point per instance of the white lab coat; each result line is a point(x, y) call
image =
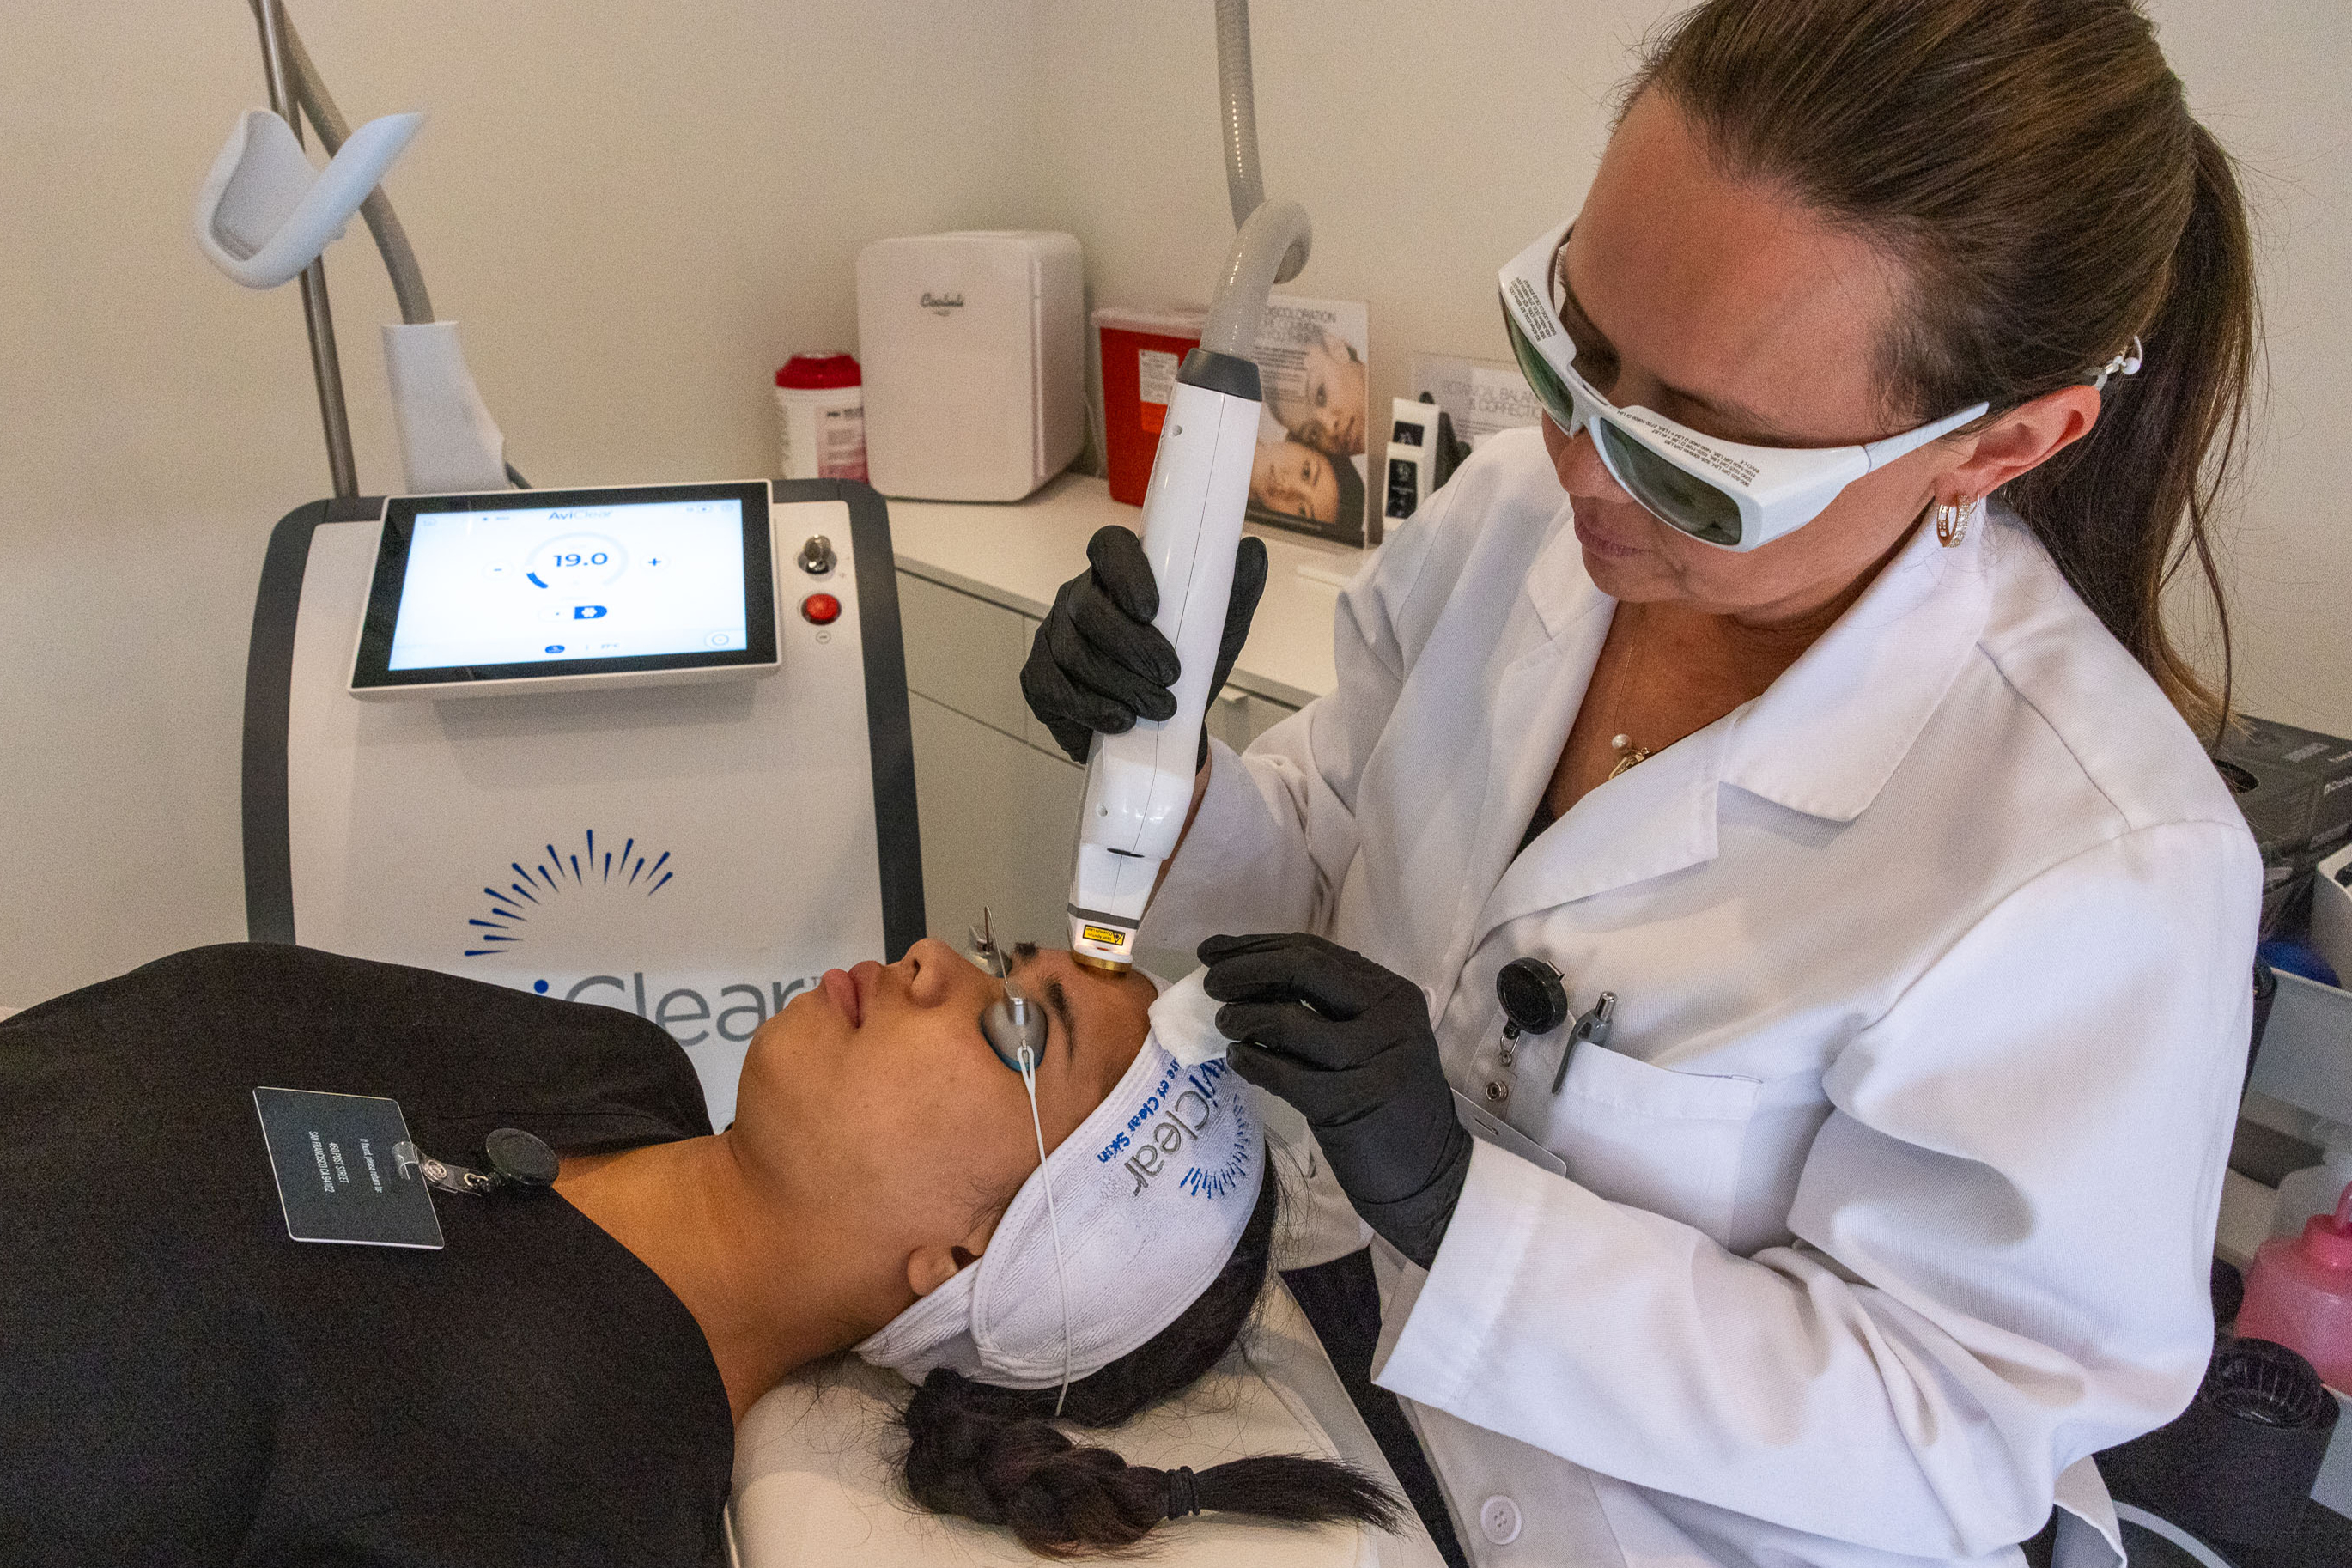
point(1893, 1195)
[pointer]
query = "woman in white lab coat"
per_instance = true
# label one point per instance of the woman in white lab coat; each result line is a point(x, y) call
point(1888, 1197)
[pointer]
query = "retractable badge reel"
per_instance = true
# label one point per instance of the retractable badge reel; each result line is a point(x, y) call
point(1534, 1002)
point(520, 1163)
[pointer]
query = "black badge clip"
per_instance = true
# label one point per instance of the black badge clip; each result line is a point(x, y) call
point(519, 1161)
point(1534, 1003)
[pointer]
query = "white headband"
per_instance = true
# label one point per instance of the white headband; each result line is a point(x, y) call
point(1156, 1186)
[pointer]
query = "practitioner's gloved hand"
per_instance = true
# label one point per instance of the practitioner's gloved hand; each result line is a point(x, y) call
point(1098, 663)
point(1348, 1043)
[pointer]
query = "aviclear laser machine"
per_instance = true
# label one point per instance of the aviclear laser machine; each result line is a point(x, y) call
point(646, 747)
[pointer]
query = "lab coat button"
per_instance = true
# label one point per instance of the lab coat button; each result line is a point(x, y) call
point(1498, 1519)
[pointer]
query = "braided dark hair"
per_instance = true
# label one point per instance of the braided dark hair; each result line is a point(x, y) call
point(994, 1454)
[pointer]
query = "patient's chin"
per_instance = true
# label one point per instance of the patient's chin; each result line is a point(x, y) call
point(791, 1035)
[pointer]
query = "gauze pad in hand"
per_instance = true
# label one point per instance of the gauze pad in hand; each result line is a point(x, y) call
point(1184, 1021)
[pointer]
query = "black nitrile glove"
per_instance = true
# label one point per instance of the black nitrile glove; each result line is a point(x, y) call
point(1098, 663)
point(1348, 1043)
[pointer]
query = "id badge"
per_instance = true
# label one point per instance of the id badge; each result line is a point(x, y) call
point(1491, 1129)
point(337, 1178)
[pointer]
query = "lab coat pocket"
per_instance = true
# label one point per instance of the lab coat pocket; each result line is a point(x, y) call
point(1652, 1138)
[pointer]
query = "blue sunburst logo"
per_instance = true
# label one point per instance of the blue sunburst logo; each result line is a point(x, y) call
point(501, 927)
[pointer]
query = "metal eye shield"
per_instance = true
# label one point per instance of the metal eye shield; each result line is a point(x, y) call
point(1013, 1023)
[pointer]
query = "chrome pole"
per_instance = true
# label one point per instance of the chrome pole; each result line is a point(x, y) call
point(326, 368)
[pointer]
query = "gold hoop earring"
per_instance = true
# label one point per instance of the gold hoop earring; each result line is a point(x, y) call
point(1952, 521)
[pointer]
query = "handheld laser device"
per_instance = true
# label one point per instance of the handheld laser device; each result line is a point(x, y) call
point(1140, 783)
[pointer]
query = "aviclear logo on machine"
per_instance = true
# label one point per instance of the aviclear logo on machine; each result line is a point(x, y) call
point(733, 1014)
point(554, 874)
point(565, 895)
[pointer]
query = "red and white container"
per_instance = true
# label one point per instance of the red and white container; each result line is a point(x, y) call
point(821, 406)
point(1141, 348)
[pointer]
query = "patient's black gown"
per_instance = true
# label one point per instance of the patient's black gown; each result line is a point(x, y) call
point(181, 1384)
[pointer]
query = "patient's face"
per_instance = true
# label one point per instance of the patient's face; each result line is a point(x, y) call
point(876, 1091)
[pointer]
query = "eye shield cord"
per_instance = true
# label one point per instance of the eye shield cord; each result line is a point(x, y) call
point(1012, 1018)
point(1053, 1221)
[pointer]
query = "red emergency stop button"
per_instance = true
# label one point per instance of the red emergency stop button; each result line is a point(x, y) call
point(821, 609)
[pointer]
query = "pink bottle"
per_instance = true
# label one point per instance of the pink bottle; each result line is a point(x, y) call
point(2300, 1294)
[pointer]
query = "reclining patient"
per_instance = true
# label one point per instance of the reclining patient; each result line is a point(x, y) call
point(181, 1383)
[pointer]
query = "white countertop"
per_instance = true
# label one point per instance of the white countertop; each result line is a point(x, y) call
point(1018, 554)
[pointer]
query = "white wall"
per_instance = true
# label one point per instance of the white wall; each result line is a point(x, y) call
point(637, 210)
point(2273, 78)
point(1429, 143)
point(1513, 95)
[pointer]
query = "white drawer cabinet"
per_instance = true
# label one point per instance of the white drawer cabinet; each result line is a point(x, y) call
point(963, 652)
point(997, 816)
point(998, 800)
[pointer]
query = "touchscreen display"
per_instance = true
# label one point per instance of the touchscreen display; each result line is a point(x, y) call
point(538, 584)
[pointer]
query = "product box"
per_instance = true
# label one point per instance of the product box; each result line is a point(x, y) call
point(2277, 800)
point(2326, 760)
point(1483, 395)
point(1141, 349)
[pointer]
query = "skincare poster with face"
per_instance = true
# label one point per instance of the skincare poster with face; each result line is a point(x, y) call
point(1310, 470)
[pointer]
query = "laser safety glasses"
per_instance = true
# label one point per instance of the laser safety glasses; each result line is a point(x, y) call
point(1723, 493)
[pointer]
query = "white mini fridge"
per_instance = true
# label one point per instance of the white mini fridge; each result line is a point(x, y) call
point(973, 351)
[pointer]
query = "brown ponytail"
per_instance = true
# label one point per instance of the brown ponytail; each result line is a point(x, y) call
point(2034, 166)
point(996, 1455)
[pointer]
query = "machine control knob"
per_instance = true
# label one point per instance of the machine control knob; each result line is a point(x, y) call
point(821, 609)
point(816, 557)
